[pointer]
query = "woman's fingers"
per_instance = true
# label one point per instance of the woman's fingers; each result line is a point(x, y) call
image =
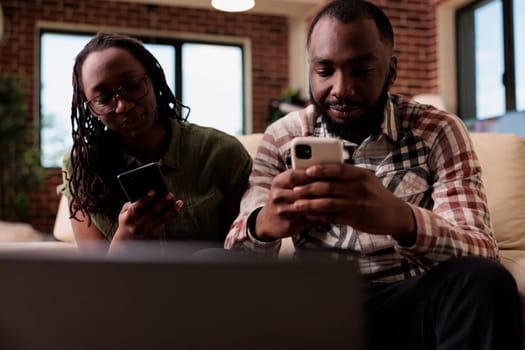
point(147, 216)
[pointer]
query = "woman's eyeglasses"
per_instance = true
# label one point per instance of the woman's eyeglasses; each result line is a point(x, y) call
point(106, 103)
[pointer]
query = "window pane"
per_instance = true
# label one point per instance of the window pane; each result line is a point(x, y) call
point(58, 53)
point(490, 92)
point(212, 86)
point(165, 54)
point(519, 47)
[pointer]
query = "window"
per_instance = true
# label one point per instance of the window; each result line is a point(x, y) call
point(55, 94)
point(211, 84)
point(491, 40)
point(519, 39)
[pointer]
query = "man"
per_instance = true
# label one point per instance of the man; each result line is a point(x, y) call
point(408, 204)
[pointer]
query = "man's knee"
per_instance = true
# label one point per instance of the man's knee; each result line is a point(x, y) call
point(480, 273)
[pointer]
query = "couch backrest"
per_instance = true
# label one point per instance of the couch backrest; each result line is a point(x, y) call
point(502, 158)
point(251, 142)
point(62, 229)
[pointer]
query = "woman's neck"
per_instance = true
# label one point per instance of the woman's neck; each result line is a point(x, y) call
point(150, 146)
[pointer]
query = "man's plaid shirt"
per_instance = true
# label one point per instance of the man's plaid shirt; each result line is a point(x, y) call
point(423, 155)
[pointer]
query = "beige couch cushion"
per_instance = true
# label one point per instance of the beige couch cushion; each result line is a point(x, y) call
point(62, 230)
point(502, 158)
point(18, 232)
point(251, 142)
point(514, 261)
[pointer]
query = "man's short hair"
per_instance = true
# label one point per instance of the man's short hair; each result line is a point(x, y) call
point(348, 11)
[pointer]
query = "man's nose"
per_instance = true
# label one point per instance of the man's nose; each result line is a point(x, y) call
point(343, 85)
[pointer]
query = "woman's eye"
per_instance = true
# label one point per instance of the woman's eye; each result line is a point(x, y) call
point(136, 85)
point(103, 99)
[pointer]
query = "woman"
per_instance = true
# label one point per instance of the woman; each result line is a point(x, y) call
point(123, 116)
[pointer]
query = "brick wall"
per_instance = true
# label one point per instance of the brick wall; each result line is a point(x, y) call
point(413, 20)
point(414, 23)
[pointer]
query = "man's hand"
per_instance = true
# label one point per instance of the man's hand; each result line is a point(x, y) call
point(279, 217)
point(335, 194)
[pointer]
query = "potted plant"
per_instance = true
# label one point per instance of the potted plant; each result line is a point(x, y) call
point(289, 101)
point(20, 170)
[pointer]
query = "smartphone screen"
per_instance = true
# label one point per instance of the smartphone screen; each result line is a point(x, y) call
point(139, 181)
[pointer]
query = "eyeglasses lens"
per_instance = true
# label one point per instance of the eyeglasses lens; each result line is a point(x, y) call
point(132, 92)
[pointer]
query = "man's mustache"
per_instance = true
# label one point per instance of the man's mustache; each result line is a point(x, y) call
point(343, 103)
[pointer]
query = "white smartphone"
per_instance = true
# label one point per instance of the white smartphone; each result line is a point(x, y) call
point(311, 150)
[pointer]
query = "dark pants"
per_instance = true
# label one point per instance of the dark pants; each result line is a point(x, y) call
point(464, 303)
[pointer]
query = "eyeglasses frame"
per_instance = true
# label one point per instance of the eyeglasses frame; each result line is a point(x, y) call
point(118, 92)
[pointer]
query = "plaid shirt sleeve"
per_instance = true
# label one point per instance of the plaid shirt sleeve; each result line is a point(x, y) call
point(458, 222)
point(268, 163)
point(265, 167)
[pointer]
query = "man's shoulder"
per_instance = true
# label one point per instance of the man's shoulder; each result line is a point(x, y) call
point(278, 135)
point(422, 117)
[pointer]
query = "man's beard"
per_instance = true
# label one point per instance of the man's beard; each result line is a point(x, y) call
point(371, 119)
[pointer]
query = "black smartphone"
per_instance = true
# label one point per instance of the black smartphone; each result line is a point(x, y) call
point(139, 181)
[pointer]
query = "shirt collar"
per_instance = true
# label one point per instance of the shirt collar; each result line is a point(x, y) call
point(391, 125)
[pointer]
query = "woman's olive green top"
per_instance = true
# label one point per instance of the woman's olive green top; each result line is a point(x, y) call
point(201, 166)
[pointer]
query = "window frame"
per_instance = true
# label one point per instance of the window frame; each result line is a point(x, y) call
point(465, 58)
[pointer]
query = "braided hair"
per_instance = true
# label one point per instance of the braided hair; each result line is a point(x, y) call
point(95, 160)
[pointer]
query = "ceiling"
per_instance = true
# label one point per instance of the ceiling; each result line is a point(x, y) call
point(288, 8)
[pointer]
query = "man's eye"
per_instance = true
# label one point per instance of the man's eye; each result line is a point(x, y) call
point(325, 72)
point(362, 71)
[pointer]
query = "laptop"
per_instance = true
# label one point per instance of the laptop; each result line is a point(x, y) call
point(176, 300)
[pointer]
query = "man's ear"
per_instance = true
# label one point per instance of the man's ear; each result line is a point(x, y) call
point(393, 70)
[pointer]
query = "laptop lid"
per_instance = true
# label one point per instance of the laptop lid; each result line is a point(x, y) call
point(175, 300)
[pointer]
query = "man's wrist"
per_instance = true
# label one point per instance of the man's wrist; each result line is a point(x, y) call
point(409, 235)
point(252, 226)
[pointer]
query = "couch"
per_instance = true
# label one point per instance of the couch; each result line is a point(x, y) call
point(502, 158)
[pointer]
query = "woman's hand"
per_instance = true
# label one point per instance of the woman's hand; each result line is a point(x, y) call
point(145, 218)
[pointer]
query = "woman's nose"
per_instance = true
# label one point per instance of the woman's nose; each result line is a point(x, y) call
point(123, 105)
